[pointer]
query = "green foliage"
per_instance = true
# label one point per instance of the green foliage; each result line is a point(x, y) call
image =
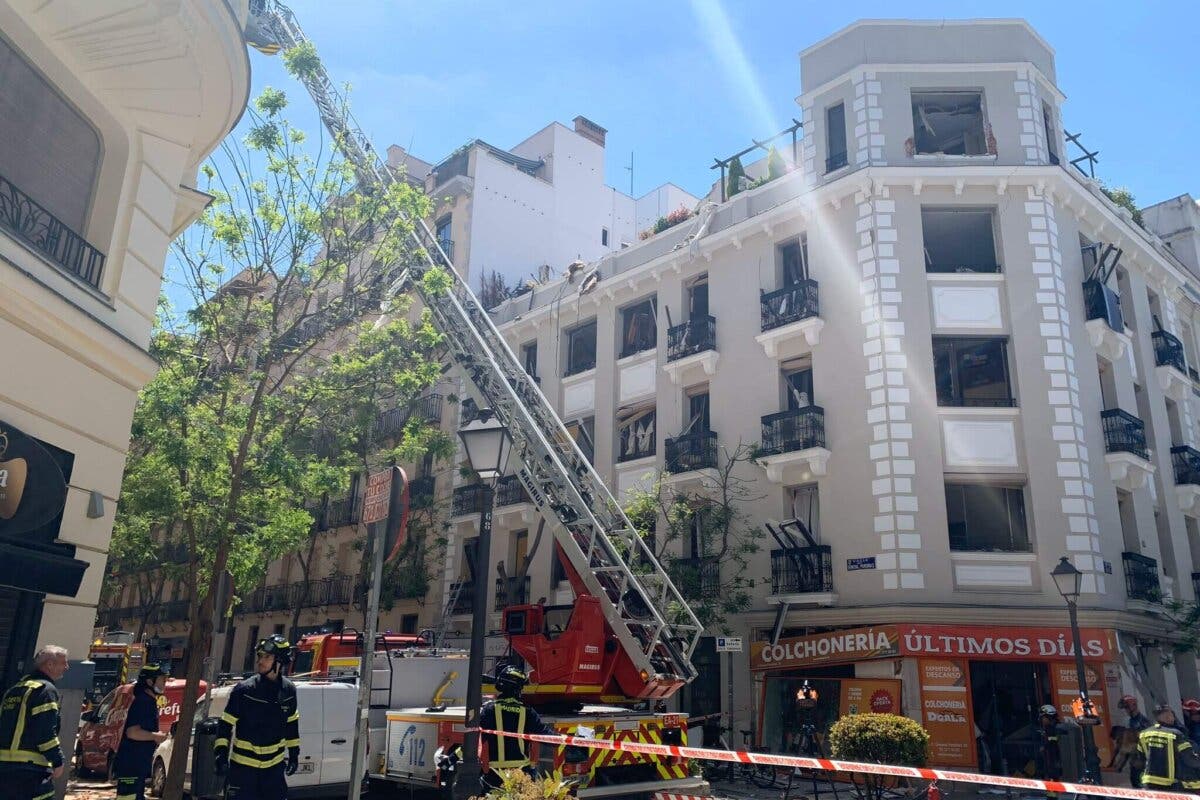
point(776, 166)
point(677, 216)
point(734, 178)
point(518, 785)
point(302, 60)
point(879, 739)
point(1125, 199)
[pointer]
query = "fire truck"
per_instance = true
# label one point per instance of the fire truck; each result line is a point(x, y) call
point(117, 657)
point(624, 646)
point(326, 653)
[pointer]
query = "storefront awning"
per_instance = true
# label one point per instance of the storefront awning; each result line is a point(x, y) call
point(49, 569)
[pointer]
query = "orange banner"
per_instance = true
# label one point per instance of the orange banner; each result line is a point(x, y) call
point(870, 696)
point(1065, 683)
point(946, 712)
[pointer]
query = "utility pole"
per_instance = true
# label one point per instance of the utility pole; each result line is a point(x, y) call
point(630, 169)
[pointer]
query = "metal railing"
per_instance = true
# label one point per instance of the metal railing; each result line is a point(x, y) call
point(1186, 462)
point(1141, 578)
point(1168, 351)
point(836, 161)
point(468, 500)
point(511, 592)
point(697, 578)
point(696, 335)
point(390, 423)
point(447, 246)
point(1101, 302)
point(798, 429)
point(692, 451)
point(464, 594)
point(1124, 433)
point(421, 491)
point(331, 591)
point(510, 492)
point(27, 220)
point(342, 511)
point(789, 304)
point(802, 570)
point(170, 611)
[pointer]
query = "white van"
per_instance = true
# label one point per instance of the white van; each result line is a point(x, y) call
point(327, 712)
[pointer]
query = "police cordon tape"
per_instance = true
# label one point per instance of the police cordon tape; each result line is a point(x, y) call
point(829, 765)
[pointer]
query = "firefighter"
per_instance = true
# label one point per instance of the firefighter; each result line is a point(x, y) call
point(1191, 719)
point(1137, 723)
point(508, 713)
point(135, 753)
point(266, 743)
point(1171, 763)
point(1048, 732)
point(30, 755)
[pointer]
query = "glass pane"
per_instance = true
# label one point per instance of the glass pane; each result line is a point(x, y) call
point(699, 300)
point(835, 125)
point(799, 387)
point(983, 374)
point(956, 517)
point(638, 328)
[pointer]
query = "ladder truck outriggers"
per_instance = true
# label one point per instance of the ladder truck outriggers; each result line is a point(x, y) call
point(630, 635)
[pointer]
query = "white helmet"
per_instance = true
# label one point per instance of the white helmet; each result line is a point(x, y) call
point(1049, 711)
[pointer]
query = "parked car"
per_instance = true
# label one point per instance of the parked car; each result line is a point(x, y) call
point(327, 713)
point(100, 730)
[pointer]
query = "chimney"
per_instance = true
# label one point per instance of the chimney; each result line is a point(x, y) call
point(590, 130)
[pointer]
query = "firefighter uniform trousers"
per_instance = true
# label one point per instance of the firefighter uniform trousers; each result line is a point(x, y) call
point(267, 722)
point(1170, 761)
point(29, 747)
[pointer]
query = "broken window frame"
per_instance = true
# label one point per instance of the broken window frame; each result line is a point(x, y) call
point(636, 433)
point(581, 353)
point(583, 431)
point(639, 327)
point(925, 142)
point(993, 267)
point(959, 493)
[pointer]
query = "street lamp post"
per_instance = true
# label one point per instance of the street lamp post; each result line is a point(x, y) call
point(486, 442)
point(1068, 579)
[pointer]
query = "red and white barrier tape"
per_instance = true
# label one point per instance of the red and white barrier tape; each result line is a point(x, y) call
point(828, 765)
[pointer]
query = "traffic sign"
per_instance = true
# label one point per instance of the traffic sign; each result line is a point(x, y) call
point(729, 644)
point(378, 498)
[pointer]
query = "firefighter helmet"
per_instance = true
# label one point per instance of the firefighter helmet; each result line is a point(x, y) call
point(510, 680)
point(153, 672)
point(1049, 711)
point(277, 646)
point(1191, 705)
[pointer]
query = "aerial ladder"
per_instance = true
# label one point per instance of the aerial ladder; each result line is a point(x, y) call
point(653, 624)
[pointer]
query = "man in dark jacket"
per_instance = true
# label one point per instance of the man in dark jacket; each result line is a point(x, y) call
point(30, 754)
point(140, 736)
point(262, 723)
point(1171, 763)
point(508, 713)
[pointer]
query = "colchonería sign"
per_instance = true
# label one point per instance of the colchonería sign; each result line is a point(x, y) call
point(32, 489)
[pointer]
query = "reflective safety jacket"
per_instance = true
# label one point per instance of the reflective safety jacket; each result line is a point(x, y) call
point(511, 715)
point(1170, 760)
point(267, 722)
point(29, 725)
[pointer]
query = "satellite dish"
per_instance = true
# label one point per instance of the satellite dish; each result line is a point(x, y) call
point(590, 281)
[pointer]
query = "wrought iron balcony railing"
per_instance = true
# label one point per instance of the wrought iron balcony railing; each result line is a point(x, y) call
point(1124, 433)
point(788, 431)
point(1101, 302)
point(1141, 578)
point(1168, 351)
point(464, 594)
point(1186, 462)
point(696, 335)
point(468, 500)
point(510, 492)
point(802, 570)
point(697, 578)
point(170, 611)
point(692, 451)
point(511, 592)
point(342, 511)
point(27, 220)
point(421, 491)
point(331, 591)
point(789, 304)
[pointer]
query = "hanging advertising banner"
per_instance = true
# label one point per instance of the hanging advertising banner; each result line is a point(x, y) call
point(1065, 684)
point(870, 696)
point(833, 647)
point(946, 712)
point(996, 644)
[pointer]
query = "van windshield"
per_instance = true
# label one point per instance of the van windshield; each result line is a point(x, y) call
point(303, 662)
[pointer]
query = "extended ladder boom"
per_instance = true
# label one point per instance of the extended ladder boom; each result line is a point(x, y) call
point(649, 617)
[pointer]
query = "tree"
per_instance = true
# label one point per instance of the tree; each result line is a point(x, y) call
point(711, 522)
point(736, 172)
point(776, 167)
point(282, 269)
point(1125, 199)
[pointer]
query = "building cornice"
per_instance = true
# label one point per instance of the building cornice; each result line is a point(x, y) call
point(998, 66)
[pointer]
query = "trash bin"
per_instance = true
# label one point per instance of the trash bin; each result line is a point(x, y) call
point(206, 783)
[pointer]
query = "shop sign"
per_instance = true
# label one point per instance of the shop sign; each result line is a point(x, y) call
point(946, 712)
point(854, 564)
point(834, 647)
point(1025, 644)
point(32, 489)
point(729, 644)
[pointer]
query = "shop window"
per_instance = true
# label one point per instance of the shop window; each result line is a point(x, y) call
point(581, 348)
point(959, 240)
point(635, 434)
point(971, 371)
point(583, 431)
point(986, 518)
point(639, 327)
point(948, 123)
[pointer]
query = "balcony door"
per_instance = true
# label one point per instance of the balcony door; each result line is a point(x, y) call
point(699, 420)
point(798, 385)
point(698, 298)
point(805, 507)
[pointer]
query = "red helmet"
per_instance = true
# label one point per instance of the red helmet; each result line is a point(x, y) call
point(1127, 701)
point(1191, 705)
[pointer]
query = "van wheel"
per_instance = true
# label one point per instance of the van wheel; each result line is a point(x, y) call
point(158, 778)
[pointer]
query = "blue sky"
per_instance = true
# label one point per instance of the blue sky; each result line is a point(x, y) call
point(679, 83)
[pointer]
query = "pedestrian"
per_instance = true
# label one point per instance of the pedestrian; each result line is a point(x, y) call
point(1171, 763)
point(1137, 723)
point(1191, 720)
point(31, 757)
point(141, 735)
point(508, 713)
point(258, 735)
point(1048, 733)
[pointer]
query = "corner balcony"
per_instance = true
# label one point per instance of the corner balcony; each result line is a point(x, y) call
point(26, 221)
point(793, 445)
point(802, 576)
point(1125, 449)
point(691, 348)
point(1141, 581)
point(1105, 323)
point(1185, 461)
point(1170, 366)
point(692, 452)
point(791, 320)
